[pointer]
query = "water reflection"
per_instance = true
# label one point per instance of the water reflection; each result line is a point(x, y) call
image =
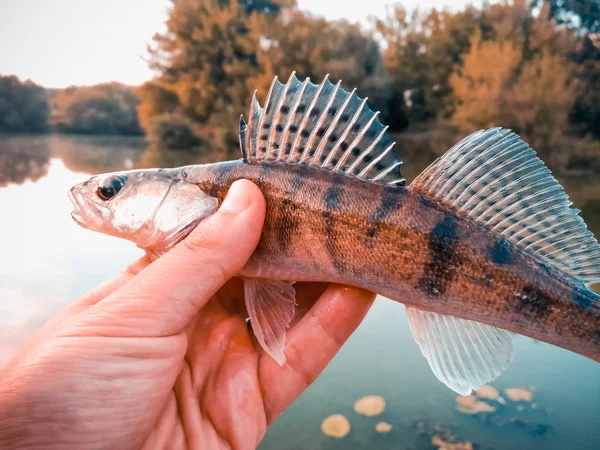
point(97, 154)
point(22, 159)
point(155, 156)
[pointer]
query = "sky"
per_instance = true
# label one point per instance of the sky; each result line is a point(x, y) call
point(81, 42)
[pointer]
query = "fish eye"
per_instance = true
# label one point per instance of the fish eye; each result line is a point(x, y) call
point(110, 187)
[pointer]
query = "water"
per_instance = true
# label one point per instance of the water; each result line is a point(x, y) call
point(48, 261)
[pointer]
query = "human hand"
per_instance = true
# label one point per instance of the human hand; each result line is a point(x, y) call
point(161, 356)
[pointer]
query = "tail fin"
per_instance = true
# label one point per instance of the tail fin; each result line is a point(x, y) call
point(497, 179)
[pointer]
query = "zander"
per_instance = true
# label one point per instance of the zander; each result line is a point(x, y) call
point(483, 241)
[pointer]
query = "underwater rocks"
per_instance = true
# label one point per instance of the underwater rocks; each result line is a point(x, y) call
point(444, 445)
point(520, 394)
point(336, 426)
point(371, 405)
point(468, 404)
point(383, 427)
point(498, 412)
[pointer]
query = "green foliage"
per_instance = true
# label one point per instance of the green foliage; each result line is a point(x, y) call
point(214, 55)
point(101, 109)
point(582, 14)
point(173, 130)
point(422, 50)
point(538, 103)
point(206, 60)
point(313, 47)
point(23, 106)
point(585, 115)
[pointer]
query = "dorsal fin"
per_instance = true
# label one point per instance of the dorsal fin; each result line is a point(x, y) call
point(321, 125)
point(497, 179)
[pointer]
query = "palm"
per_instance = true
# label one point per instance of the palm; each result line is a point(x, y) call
point(162, 354)
point(229, 390)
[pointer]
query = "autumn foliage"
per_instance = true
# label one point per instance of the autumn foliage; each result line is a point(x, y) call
point(435, 75)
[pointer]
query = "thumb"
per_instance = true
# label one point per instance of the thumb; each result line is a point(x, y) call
point(164, 297)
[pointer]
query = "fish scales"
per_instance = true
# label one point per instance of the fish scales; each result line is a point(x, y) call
point(421, 254)
point(483, 241)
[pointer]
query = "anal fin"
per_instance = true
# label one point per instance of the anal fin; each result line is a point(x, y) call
point(462, 354)
point(271, 307)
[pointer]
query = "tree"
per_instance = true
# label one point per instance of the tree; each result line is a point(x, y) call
point(23, 106)
point(537, 105)
point(479, 85)
point(421, 51)
point(215, 54)
point(207, 60)
point(585, 115)
point(101, 109)
point(314, 47)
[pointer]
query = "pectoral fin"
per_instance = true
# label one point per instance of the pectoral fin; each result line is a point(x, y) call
point(271, 306)
point(462, 354)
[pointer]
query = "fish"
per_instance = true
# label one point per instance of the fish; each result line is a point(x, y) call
point(482, 244)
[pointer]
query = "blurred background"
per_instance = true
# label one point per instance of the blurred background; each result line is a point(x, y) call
point(91, 87)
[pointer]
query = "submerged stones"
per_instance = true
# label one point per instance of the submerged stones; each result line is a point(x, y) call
point(468, 404)
point(383, 427)
point(486, 405)
point(487, 391)
point(371, 405)
point(444, 445)
point(336, 425)
point(520, 394)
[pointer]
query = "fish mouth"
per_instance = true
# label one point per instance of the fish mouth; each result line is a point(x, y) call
point(85, 213)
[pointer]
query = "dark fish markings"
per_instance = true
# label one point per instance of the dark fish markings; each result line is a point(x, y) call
point(500, 252)
point(439, 272)
point(584, 299)
point(333, 197)
point(289, 219)
point(532, 302)
point(221, 175)
point(390, 202)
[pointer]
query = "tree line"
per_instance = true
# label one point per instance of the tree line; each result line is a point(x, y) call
point(526, 65)
point(109, 108)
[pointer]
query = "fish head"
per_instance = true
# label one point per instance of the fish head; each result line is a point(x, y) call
point(153, 208)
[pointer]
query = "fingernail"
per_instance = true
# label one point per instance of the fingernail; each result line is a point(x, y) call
point(237, 198)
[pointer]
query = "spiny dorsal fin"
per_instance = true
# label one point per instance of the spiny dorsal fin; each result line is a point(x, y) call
point(498, 180)
point(321, 125)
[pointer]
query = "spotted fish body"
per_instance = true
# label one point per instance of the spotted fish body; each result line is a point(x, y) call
point(483, 241)
point(321, 226)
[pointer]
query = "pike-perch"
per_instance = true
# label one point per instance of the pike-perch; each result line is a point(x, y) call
point(483, 241)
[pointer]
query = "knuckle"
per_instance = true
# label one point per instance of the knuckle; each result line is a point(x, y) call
point(296, 363)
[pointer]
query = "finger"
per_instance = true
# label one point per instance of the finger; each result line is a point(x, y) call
point(307, 294)
point(311, 344)
point(231, 297)
point(167, 294)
